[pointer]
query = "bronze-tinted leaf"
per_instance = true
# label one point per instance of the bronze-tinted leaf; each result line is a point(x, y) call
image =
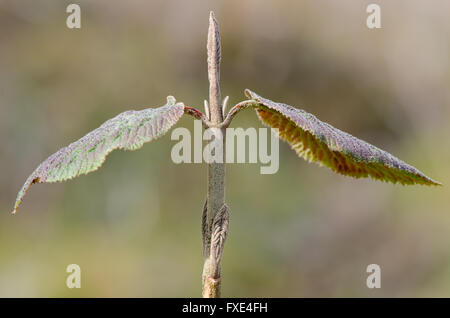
point(128, 131)
point(320, 142)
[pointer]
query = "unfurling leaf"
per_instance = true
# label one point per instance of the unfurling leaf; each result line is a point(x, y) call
point(219, 233)
point(128, 131)
point(320, 142)
point(206, 238)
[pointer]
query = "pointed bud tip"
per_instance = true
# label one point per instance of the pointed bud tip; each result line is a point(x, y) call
point(212, 20)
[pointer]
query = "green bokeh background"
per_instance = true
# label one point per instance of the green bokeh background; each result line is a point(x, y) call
point(134, 225)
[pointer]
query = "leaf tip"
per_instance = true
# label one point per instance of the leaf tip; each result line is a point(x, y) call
point(431, 182)
point(171, 100)
point(437, 183)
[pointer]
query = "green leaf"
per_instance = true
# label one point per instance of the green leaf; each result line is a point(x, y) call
point(320, 142)
point(128, 131)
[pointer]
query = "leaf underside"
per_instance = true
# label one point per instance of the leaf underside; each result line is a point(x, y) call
point(320, 142)
point(128, 131)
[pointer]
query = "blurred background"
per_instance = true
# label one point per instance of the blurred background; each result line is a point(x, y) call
point(134, 225)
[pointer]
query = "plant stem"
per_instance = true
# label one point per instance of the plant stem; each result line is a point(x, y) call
point(216, 219)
